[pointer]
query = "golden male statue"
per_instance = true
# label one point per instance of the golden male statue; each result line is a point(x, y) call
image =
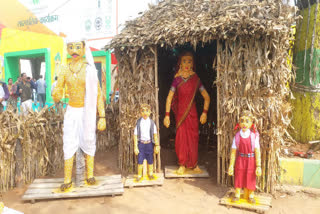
point(79, 131)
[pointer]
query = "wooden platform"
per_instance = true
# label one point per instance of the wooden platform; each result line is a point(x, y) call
point(171, 172)
point(263, 202)
point(131, 181)
point(49, 188)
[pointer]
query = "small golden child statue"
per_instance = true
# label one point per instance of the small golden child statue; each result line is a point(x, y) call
point(245, 161)
point(146, 141)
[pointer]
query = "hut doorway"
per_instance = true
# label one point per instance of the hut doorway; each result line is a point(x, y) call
point(204, 58)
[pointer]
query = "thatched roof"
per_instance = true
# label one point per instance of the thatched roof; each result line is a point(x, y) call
point(173, 22)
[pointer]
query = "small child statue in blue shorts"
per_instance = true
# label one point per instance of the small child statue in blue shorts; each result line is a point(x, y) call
point(146, 141)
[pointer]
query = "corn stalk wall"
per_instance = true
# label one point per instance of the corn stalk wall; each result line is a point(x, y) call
point(110, 137)
point(136, 86)
point(252, 75)
point(35, 140)
point(40, 137)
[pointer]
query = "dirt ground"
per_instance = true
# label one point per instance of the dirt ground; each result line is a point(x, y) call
point(287, 151)
point(189, 196)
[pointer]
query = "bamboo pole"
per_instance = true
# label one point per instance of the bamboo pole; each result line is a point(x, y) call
point(298, 40)
point(312, 45)
point(306, 41)
point(218, 111)
point(19, 164)
point(120, 148)
point(80, 168)
point(157, 102)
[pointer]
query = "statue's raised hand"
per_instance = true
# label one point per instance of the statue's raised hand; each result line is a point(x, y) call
point(102, 124)
point(166, 121)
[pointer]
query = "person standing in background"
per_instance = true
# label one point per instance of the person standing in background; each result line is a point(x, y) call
point(41, 92)
point(24, 90)
point(12, 101)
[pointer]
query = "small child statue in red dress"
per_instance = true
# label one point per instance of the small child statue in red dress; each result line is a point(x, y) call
point(245, 161)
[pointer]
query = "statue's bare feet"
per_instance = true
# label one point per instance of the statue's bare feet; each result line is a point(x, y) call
point(65, 187)
point(139, 178)
point(235, 199)
point(151, 177)
point(251, 200)
point(181, 170)
point(91, 181)
point(197, 169)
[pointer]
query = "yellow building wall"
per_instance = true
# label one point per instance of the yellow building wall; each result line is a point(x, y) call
point(302, 30)
point(306, 111)
point(291, 171)
point(15, 40)
point(305, 116)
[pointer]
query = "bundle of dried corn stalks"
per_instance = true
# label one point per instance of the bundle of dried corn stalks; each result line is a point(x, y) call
point(30, 146)
point(110, 137)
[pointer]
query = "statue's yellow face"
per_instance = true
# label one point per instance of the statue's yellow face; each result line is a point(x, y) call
point(186, 63)
point(76, 50)
point(245, 123)
point(145, 113)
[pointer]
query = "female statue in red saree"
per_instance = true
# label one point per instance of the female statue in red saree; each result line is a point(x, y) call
point(181, 99)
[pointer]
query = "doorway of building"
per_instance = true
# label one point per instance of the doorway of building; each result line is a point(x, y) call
point(38, 60)
point(204, 58)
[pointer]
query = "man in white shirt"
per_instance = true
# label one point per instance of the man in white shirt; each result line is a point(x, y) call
point(146, 141)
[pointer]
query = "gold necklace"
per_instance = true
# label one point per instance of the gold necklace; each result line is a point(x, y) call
point(75, 73)
point(186, 74)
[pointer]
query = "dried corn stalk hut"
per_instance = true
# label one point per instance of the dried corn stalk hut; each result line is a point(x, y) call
point(247, 44)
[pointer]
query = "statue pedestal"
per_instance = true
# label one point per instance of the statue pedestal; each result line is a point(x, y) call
point(263, 202)
point(50, 188)
point(131, 181)
point(171, 172)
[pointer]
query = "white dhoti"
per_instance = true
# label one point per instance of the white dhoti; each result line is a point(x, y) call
point(26, 106)
point(73, 134)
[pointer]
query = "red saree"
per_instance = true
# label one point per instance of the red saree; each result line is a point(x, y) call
point(184, 107)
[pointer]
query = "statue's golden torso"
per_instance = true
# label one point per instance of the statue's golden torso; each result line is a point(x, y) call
point(76, 85)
